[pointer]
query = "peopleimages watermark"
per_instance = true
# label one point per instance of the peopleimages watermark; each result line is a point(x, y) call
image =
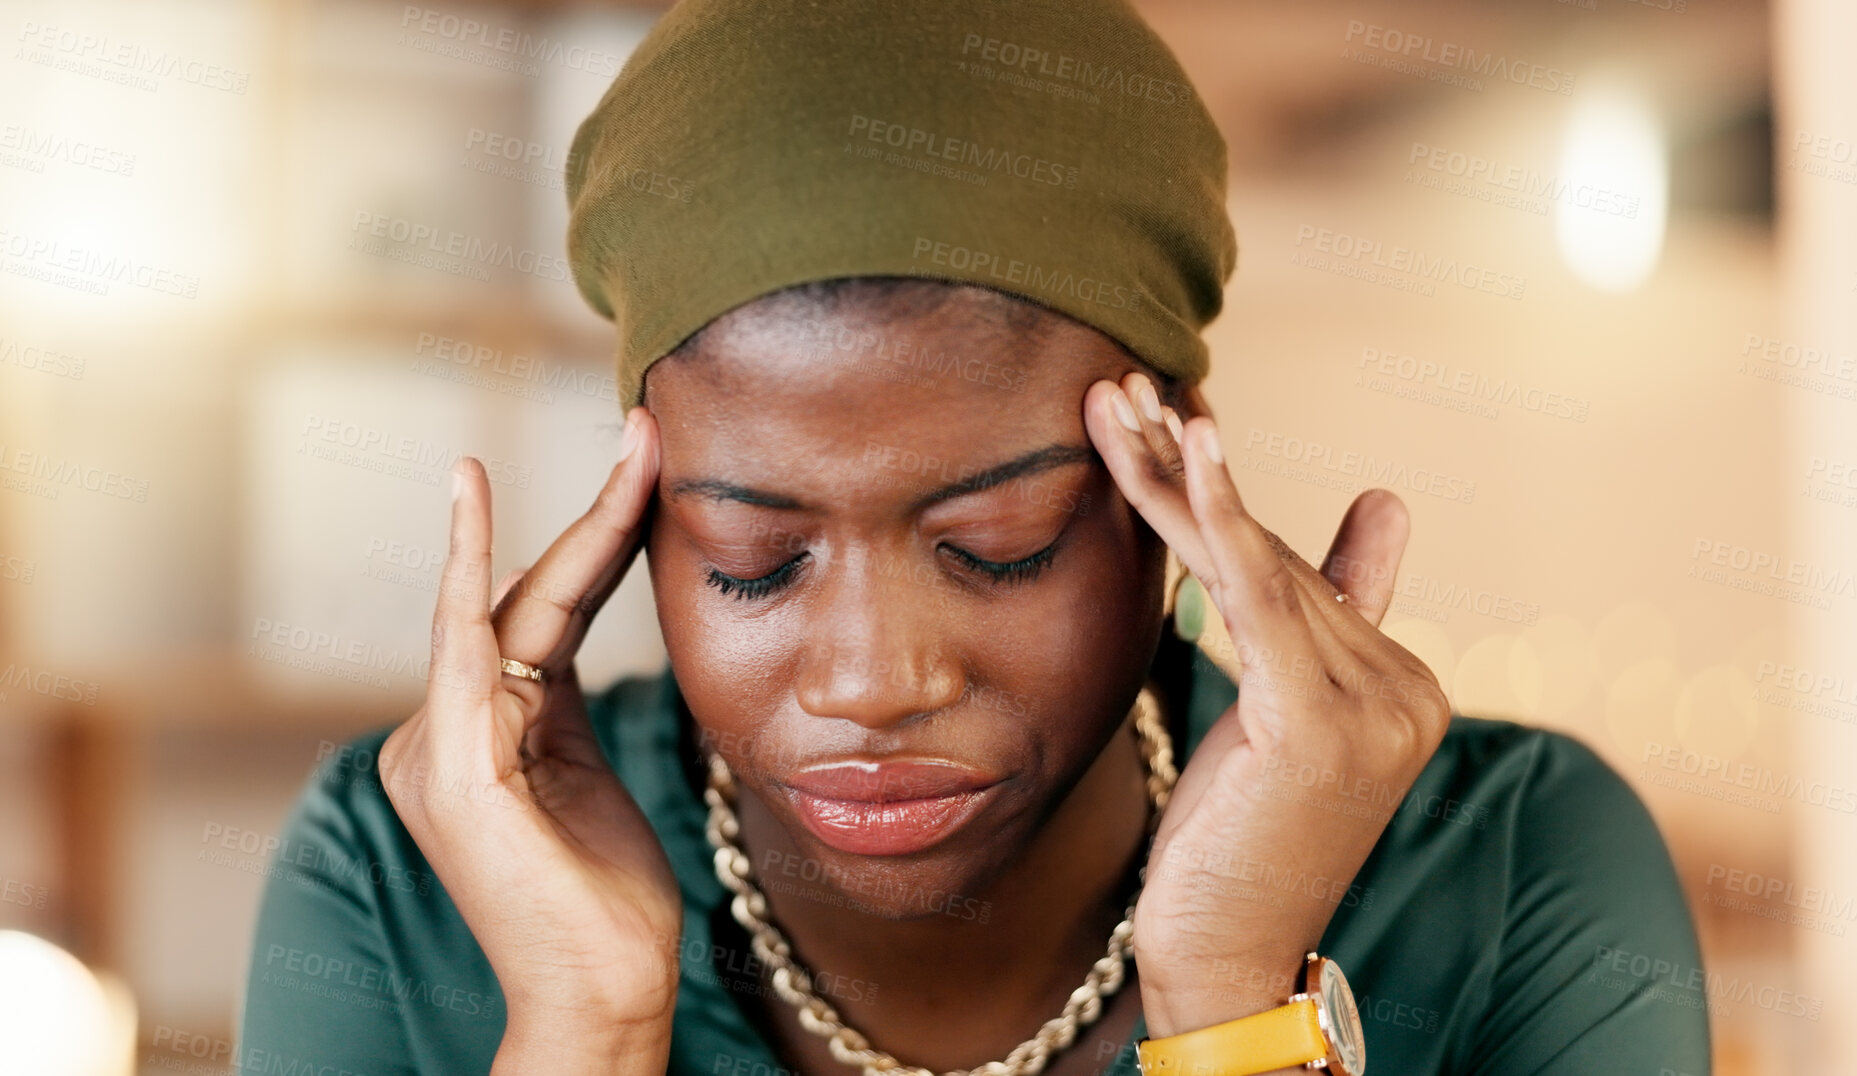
point(896, 358)
point(37, 680)
point(1062, 75)
point(296, 646)
point(1307, 460)
point(17, 569)
point(1692, 986)
point(23, 894)
point(448, 250)
point(1399, 267)
point(1742, 783)
point(1445, 62)
point(302, 862)
point(1514, 186)
point(191, 1052)
point(468, 39)
point(1772, 574)
point(977, 162)
point(1424, 596)
point(516, 158)
point(28, 148)
point(112, 60)
point(366, 986)
point(1753, 893)
point(403, 564)
point(1266, 882)
point(88, 269)
point(530, 378)
point(1359, 796)
point(1824, 155)
point(1814, 369)
point(1247, 985)
point(1039, 280)
point(1459, 388)
point(737, 1065)
point(704, 962)
point(851, 890)
point(1831, 481)
point(42, 475)
point(369, 448)
point(932, 468)
point(1806, 691)
point(41, 360)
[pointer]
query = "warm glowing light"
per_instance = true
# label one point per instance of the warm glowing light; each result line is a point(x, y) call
point(1609, 220)
point(56, 1018)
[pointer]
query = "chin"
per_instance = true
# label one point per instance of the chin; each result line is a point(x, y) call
point(943, 882)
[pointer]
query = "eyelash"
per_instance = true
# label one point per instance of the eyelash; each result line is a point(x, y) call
point(1023, 570)
point(758, 587)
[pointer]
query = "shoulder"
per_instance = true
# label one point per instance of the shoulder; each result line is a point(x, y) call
point(1528, 860)
point(1545, 787)
point(1545, 805)
point(1508, 759)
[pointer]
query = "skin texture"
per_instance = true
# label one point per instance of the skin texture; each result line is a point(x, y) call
point(767, 450)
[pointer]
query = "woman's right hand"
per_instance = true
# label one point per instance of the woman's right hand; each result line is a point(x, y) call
point(502, 784)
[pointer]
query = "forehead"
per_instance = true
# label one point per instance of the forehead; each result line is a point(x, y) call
point(779, 390)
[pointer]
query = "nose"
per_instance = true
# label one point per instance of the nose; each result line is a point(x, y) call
point(880, 649)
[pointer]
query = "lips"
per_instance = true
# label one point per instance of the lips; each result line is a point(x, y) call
point(893, 807)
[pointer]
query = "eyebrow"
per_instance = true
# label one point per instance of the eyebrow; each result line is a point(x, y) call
point(1042, 459)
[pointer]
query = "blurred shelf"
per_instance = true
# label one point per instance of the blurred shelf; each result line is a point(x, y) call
point(218, 690)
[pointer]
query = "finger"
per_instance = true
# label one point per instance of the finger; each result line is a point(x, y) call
point(464, 645)
point(503, 586)
point(1145, 461)
point(1145, 478)
point(1151, 416)
point(548, 612)
point(1364, 558)
point(1252, 586)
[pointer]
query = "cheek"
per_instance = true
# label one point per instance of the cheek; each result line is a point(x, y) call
point(1101, 625)
point(725, 668)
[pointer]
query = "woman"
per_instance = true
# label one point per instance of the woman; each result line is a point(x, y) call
point(908, 463)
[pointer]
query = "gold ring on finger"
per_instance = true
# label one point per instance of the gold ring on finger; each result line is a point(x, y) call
point(523, 669)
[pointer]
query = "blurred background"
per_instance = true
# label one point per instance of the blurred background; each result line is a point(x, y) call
point(1576, 278)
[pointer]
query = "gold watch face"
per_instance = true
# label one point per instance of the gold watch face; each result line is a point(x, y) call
point(1342, 1020)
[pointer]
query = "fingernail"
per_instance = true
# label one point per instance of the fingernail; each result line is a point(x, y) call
point(1209, 444)
point(630, 440)
point(457, 480)
point(1150, 403)
point(1124, 413)
point(1174, 427)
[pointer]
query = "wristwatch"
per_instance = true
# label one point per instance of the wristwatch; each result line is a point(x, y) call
point(1319, 1029)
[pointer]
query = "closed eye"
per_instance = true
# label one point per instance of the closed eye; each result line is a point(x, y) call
point(1023, 570)
point(758, 587)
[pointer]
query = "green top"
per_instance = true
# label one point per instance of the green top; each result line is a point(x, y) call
point(1519, 916)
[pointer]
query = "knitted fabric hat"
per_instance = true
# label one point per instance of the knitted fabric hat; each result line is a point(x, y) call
point(1052, 149)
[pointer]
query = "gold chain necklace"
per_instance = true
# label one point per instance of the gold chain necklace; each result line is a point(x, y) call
point(794, 984)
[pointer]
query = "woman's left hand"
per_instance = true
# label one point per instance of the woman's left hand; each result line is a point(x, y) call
point(1292, 786)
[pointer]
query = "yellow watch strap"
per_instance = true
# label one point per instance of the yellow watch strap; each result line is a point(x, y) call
point(1283, 1037)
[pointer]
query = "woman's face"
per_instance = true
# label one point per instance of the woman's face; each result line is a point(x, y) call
point(883, 537)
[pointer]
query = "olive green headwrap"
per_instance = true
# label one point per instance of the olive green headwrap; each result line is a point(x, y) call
point(1048, 148)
